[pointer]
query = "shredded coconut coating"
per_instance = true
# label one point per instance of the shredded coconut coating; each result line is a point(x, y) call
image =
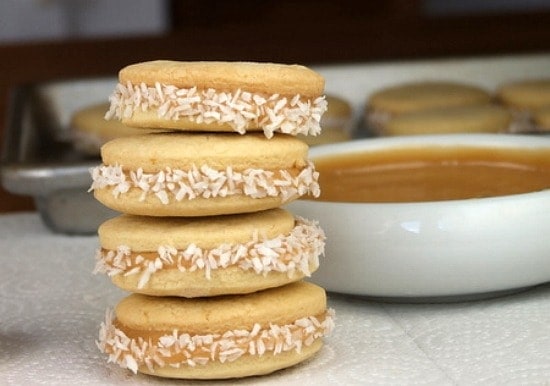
point(240, 109)
point(289, 253)
point(181, 349)
point(174, 184)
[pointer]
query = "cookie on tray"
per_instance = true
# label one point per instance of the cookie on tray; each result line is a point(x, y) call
point(220, 96)
point(208, 256)
point(202, 174)
point(488, 118)
point(523, 98)
point(541, 119)
point(220, 337)
point(336, 123)
point(395, 100)
point(89, 130)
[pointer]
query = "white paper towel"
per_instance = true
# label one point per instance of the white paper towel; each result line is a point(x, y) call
point(51, 307)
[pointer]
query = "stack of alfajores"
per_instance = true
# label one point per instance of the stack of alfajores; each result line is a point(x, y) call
point(214, 263)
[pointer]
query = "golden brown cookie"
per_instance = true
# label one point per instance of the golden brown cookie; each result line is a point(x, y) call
point(418, 96)
point(89, 129)
point(220, 96)
point(541, 119)
point(197, 174)
point(208, 256)
point(525, 94)
point(219, 337)
point(464, 119)
point(523, 98)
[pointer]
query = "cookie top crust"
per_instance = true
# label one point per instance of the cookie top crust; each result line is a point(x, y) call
point(157, 151)
point(280, 305)
point(146, 234)
point(424, 95)
point(266, 78)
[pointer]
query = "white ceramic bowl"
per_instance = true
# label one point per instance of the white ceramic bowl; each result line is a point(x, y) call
point(440, 249)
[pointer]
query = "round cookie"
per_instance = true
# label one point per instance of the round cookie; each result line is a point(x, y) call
point(525, 95)
point(208, 256)
point(220, 96)
point(464, 119)
point(221, 337)
point(198, 174)
point(541, 119)
point(336, 123)
point(523, 98)
point(418, 96)
point(89, 130)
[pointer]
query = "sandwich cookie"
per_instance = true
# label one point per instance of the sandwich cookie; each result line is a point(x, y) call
point(221, 337)
point(392, 101)
point(526, 94)
point(541, 119)
point(218, 255)
point(336, 123)
point(487, 118)
point(202, 174)
point(89, 130)
point(220, 96)
point(524, 98)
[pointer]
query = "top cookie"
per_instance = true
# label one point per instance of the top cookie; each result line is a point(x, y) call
point(220, 96)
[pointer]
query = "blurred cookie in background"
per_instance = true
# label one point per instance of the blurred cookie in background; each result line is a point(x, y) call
point(89, 130)
point(488, 118)
point(524, 98)
point(336, 123)
point(390, 102)
point(541, 119)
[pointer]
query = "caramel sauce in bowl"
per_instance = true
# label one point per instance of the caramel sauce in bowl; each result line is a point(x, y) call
point(433, 217)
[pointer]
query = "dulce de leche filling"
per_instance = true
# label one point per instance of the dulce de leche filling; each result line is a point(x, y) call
point(134, 348)
point(174, 184)
point(297, 251)
point(239, 109)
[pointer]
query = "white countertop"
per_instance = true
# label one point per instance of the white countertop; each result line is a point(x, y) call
point(51, 306)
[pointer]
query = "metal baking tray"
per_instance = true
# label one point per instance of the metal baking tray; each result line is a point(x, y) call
point(38, 159)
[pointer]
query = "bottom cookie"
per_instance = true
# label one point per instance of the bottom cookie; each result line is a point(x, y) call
point(221, 337)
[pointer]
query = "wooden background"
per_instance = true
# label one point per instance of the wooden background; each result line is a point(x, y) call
point(308, 32)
